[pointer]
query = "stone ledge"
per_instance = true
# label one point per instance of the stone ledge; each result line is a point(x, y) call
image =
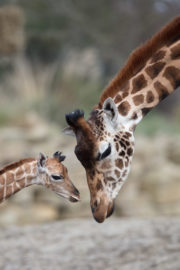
point(124, 244)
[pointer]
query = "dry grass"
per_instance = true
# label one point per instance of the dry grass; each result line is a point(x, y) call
point(11, 30)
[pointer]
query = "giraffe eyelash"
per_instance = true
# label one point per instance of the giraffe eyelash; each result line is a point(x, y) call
point(57, 177)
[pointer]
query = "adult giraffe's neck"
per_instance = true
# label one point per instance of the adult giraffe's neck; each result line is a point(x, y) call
point(151, 73)
point(157, 79)
point(17, 176)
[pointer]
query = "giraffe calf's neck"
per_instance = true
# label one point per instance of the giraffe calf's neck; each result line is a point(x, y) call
point(14, 178)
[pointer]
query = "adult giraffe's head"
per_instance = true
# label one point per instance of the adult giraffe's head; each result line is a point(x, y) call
point(105, 142)
point(105, 148)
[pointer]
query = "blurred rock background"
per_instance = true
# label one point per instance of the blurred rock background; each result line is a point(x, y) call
point(56, 56)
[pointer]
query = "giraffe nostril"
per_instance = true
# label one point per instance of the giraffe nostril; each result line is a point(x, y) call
point(95, 204)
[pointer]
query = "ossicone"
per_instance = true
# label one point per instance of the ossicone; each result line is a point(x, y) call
point(58, 155)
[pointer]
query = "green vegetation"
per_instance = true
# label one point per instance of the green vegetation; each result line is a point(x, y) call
point(45, 91)
point(59, 36)
point(155, 122)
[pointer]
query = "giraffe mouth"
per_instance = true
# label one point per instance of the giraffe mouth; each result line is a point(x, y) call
point(71, 198)
point(74, 199)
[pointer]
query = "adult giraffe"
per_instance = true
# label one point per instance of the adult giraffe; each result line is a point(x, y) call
point(105, 142)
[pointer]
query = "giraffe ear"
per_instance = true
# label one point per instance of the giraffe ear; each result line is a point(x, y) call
point(110, 109)
point(68, 131)
point(41, 160)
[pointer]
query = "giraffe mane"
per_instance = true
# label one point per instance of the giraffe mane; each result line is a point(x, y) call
point(139, 57)
point(14, 165)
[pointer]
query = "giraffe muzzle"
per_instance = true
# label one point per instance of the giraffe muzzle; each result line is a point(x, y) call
point(75, 197)
point(102, 209)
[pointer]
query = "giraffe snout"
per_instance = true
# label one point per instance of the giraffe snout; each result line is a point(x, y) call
point(101, 208)
point(75, 196)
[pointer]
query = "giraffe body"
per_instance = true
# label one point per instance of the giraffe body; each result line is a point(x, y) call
point(105, 142)
point(48, 172)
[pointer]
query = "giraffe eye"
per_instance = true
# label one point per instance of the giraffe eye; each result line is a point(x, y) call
point(57, 177)
point(106, 153)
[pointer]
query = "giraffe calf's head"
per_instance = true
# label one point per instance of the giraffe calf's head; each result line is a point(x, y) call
point(104, 147)
point(54, 175)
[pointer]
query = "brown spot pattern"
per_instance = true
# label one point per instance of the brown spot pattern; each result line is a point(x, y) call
point(149, 97)
point(2, 181)
point(122, 145)
point(118, 99)
point(126, 163)
point(106, 165)
point(124, 108)
point(173, 75)
point(9, 178)
point(122, 153)
point(119, 163)
point(138, 83)
point(110, 178)
point(155, 69)
point(117, 173)
point(125, 94)
point(127, 143)
point(99, 185)
point(22, 184)
point(124, 173)
point(138, 99)
point(91, 174)
point(127, 134)
point(125, 87)
point(19, 173)
point(27, 168)
point(158, 56)
point(8, 191)
point(117, 147)
point(161, 90)
point(130, 151)
point(175, 51)
point(1, 194)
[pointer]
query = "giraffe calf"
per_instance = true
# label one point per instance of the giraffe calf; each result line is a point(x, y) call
point(45, 171)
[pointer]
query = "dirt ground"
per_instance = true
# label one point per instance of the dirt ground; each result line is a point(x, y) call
point(82, 244)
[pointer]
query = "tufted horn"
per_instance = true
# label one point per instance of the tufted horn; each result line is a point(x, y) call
point(72, 118)
point(59, 156)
